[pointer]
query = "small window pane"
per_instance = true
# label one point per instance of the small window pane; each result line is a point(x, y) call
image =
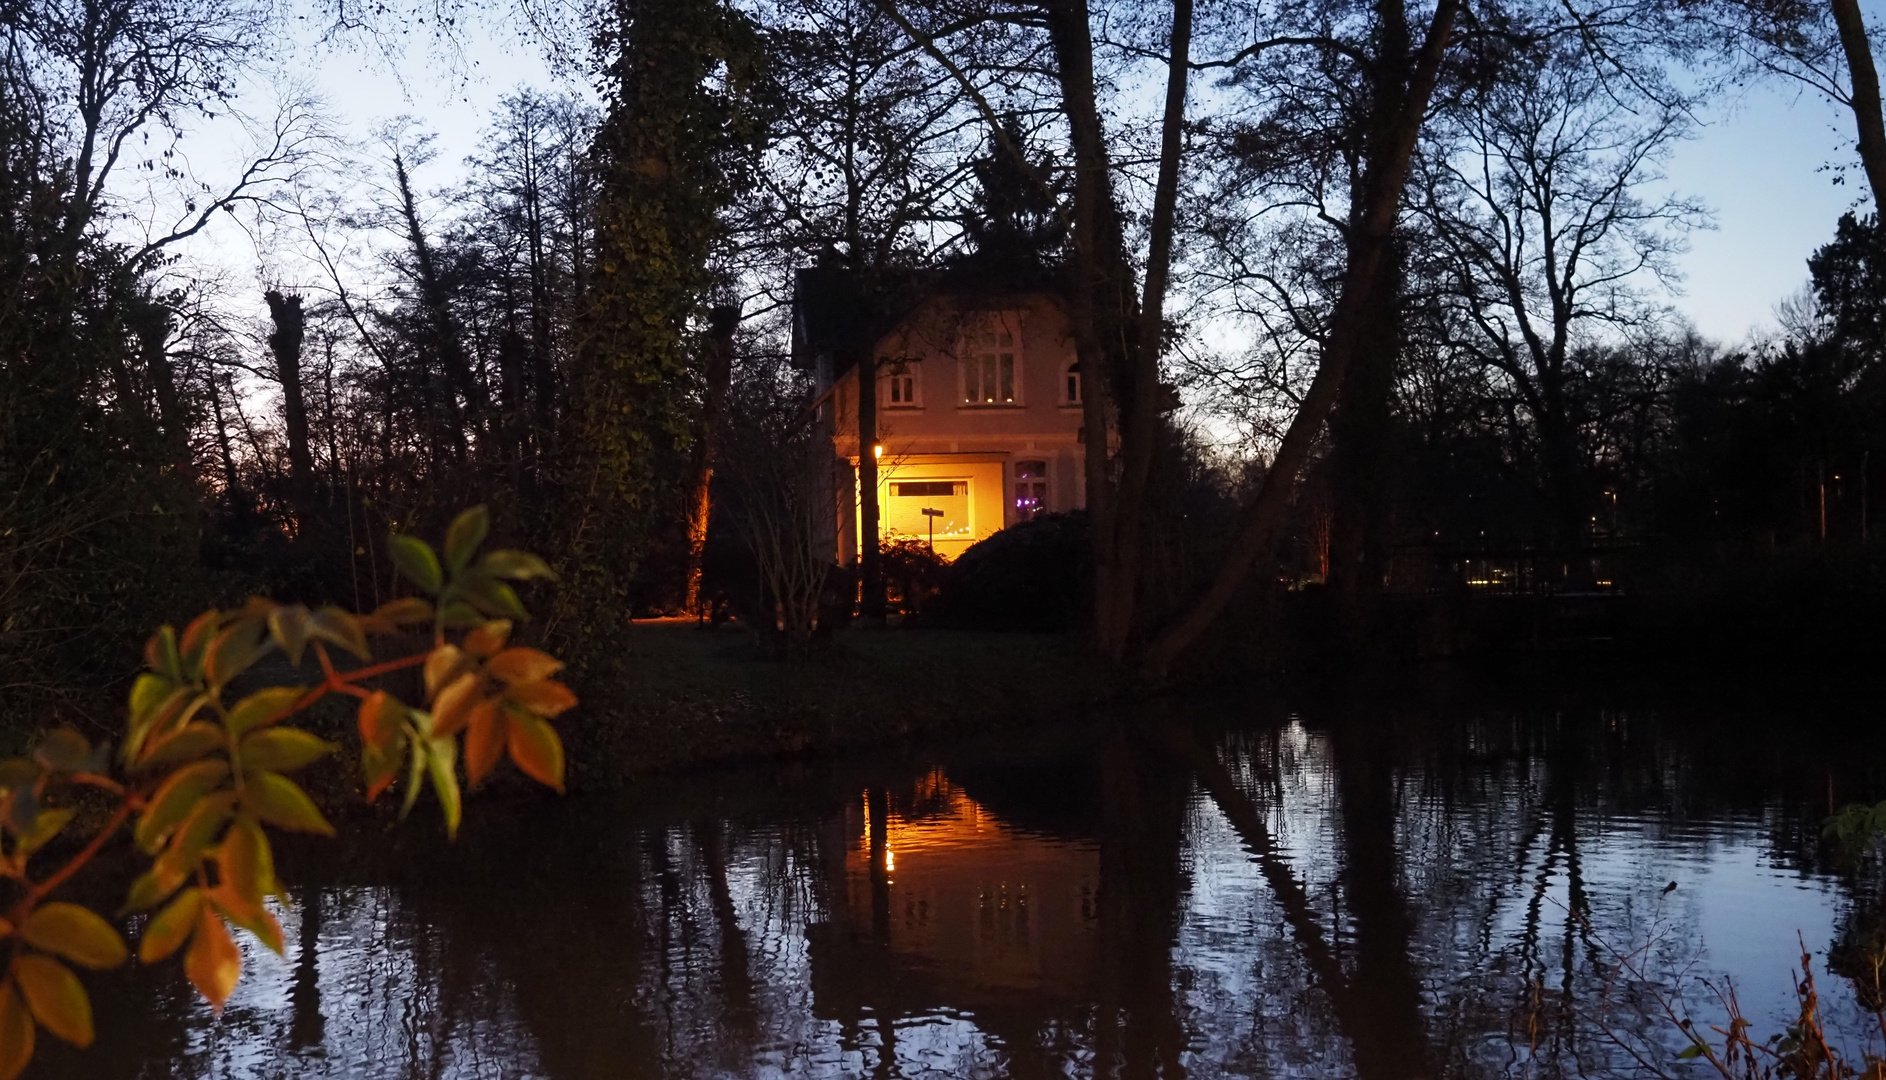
point(1007, 366)
point(1031, 470)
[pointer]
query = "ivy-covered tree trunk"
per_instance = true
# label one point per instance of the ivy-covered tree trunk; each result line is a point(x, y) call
point(663, 158)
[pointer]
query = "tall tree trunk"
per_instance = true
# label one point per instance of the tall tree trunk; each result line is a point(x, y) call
point(1383, 181)
point(1103, 319)
point(870, 563)
point(1360, 428)
point(458, 372)
point(1864, 99)
point(722, 323)
point(285, 345)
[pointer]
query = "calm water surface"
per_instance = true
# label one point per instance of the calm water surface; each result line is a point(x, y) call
point(1213, 890)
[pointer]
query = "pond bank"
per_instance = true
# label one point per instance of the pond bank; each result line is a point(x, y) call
point(695, 696)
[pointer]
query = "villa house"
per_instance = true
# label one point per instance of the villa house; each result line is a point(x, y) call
point(978, 403)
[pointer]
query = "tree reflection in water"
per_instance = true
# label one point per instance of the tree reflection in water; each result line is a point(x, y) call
point(1352, 894)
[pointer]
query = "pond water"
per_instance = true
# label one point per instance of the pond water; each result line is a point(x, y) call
point(1229, 888)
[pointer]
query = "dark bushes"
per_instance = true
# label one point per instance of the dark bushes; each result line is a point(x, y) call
point(1033, 575)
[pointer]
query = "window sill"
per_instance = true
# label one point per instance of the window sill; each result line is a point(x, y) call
point(989, 407)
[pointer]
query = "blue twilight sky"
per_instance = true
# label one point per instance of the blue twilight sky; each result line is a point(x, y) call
point(1760, 162)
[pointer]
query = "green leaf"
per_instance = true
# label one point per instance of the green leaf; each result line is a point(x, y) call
point(516, 565)
point(45, 827)
point(283, 749)
point(56, 998)
point(175, 798)
point(495, 598)
point(16, 1033)
point(414, 558)
point(147, 693)
point(231, 652)
point(76, 933)
point(63, 750)
point(404, 612)
point(441, 766)
point(415, 772)
point(190, 742)
point(288, 625)
point(170, 928)
point(200, 829)
point(176, 708)
point(278, 801)
point(1693, 1050)
point(153, 885)
point(262, 707)
point(462, 538)
point(161, 655)
point(458, 614)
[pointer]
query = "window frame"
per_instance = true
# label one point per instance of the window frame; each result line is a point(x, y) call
point(1071, 379)
point(1039, 485)
point(888, 384)
point(971, 353)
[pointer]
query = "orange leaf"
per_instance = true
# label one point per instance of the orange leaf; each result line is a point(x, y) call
point(545, 697)
point(489, 638)
point(521, 665)
point(249, 915)
point(454, 703)
point(213, 962)
point(16, 1033)
point(380, 716)
point(536, 750)
point(484, 740)
point(56, 998)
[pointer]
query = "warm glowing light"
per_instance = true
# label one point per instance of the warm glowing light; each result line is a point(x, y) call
point(890, 859)
point(877, 451)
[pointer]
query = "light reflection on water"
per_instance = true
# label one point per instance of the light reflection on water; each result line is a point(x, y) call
point(1330, 902)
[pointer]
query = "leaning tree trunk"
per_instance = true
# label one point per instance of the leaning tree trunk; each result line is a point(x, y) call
point(1865, 98)
point(1263, 519)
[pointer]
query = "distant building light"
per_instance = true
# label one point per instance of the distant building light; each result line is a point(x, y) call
point(877, 451)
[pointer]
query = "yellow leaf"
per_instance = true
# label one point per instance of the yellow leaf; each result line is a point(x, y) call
point(277, 800)
point(76, 933)
point(174, 798)
point(454, 703)
point(187, 743)
point(536, 750)
point(56, 998)
point(463, 536)
point(403, 612)
point(545, 697)
point(262, 707)
point(154, 884)
point(170, 928)
point(441, 767)
point(246, 863)
point(160, 654)
point(147, 693)
point(16, 1033)
point(289, 626)
point(484, 740)
point(199, 830)
point(45, 827)
point(381, 766)
point(442, 666)
point(522, 665)
point(231, 652)
point(213, 962)
point(337, 627)
point(489, 638)
point(283, 749)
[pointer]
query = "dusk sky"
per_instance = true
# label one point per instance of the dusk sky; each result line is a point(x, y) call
point(1760, 163)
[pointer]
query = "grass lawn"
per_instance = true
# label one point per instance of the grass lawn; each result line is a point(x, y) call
point(696, 696)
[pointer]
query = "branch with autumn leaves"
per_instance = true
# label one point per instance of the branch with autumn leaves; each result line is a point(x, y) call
point(202, 781)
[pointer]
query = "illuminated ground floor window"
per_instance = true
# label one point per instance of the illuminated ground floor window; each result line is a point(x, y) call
point(928, 509)
point(1031, 489)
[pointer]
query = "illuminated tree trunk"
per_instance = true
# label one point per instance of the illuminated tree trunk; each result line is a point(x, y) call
point(713, 405)
point(870, 565)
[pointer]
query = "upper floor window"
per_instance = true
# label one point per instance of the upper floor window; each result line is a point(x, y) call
point(991, 362)
point(1071, 384)
point(902, 385)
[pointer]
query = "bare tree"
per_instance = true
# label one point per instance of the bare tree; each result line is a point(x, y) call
point(1536, 200)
